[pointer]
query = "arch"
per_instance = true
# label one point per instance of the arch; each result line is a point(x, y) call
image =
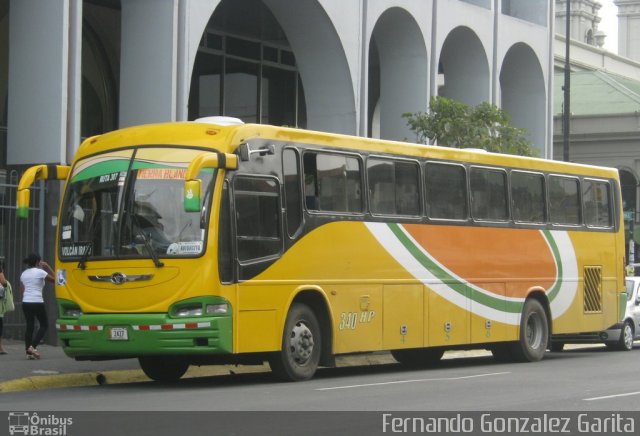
point(320, 60)
point(523, 93)
point(245, 68)
point(99, 112)
point(398, 73)
point(322, 63)
point(464, 68)
point(588, 37)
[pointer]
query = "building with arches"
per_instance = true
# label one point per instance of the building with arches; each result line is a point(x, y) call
point(349, 67)
point(73, 69)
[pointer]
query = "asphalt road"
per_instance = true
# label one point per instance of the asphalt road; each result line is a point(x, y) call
point(583, 388)
point(574, 380)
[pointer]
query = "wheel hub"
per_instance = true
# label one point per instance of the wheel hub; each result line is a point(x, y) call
point(301, 343)
point(628, 336)
point(534, 331)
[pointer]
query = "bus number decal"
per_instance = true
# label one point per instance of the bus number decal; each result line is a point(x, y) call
point(350, 320)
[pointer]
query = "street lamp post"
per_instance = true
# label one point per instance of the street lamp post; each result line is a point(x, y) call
point(567, 85)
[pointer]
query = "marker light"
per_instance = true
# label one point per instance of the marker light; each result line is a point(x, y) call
point(217, 309)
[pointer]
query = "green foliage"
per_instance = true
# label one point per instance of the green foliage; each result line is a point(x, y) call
point(451, 123)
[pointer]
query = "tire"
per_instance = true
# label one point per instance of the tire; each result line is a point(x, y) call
point(301, 345)
point(418, 357)
point(534, 333)
point(625, 343)
point(164, 369)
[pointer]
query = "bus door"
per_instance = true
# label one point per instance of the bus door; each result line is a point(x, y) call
point(258, 244)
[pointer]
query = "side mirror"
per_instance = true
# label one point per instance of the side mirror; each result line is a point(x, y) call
point(245, 151)
point(38, 172)
point(193, 185)
point(192, 195)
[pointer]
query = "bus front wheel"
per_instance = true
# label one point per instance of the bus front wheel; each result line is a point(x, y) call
point(164, 369)
point(301, 344)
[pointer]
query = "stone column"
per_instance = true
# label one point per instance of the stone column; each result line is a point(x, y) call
point(148, 64)
point(628, 28)
point(44, 85)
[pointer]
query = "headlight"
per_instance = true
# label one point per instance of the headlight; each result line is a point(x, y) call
point(217, 309)
point(72, 313)
point(189, 311)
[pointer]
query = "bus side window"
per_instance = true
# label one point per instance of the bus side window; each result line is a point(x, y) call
point(564, 200)
point(333, 182)
point(489, 194)
point(446, 191)
point(291, 171)
point(597, 207)
point(527, 197)
point(393, 187)
point(310, 182)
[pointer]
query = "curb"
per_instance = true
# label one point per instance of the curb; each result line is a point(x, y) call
point(35, 383)
point(111, 378)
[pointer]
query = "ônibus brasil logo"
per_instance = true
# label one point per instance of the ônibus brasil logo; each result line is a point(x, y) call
point(33, 424)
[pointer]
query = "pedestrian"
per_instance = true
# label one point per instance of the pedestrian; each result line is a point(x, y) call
point(6, 302)
point(31, 285)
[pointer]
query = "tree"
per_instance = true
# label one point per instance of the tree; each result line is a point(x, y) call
point(451, 123)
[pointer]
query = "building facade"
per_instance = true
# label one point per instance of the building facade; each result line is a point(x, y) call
point(605, 97)
point(72, 69)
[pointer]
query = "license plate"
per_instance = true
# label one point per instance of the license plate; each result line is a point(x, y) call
point(118, 334)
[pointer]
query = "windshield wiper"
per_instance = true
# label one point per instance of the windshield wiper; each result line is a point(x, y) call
point(147, 244)
point(82, 263)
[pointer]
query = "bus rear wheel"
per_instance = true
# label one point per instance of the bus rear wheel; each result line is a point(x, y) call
point(534, 333)
point(164, 369)
point(418, 356)
point(301, 344)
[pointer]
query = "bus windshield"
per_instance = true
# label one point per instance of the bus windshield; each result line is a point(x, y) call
point(129, 204)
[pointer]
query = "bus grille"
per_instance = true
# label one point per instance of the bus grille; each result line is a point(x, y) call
point(592, 289)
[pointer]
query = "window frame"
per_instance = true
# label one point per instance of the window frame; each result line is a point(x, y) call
point(359, 158)
point(550, 209)
point(237, 237)
point(420, 182)
point(609, 203)
point(466, 196)
point(300, 200)
point(545, 202)
point(507, 194)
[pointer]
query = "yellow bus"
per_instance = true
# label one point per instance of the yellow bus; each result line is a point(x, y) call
point(214, 242)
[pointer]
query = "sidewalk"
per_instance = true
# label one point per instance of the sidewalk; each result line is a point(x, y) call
point(54, 368)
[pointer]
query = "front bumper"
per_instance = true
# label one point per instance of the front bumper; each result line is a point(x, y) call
point(93, 336)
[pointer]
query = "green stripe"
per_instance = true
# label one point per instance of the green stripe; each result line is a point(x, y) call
point(455, 284)
point(102, 168)
point(553, 293)
point(141, 164)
